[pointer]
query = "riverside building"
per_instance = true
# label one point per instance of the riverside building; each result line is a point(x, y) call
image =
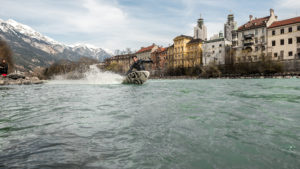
point(186, 52)
point(120, 63)
point(284, 39)
point(145, 54)
point(251, 43)
point(159, 61)
point(215, 50)
point(180, 51)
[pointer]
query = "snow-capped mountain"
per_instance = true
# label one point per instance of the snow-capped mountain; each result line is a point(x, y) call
point(32, 49)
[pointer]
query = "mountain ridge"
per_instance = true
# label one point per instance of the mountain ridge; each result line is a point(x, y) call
point(32, 49)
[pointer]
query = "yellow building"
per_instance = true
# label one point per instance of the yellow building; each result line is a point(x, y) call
point(180, 50)
point(194, 53)
point(185, 53)
point(170, 57)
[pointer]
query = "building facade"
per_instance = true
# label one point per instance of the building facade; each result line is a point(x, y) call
point(180, 50)
point(120, 63)
point(170, 57)
point(145, 52)
point(194, 53)
point(159, 65)
point(284, 39)
point(251, 43)
point(216, 50)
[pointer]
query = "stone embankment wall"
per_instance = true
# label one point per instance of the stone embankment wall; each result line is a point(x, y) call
point(19, 80)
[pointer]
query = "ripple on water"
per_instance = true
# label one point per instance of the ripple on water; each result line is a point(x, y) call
point(162, 124)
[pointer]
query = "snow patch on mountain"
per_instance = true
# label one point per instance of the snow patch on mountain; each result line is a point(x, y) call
point(48, 45)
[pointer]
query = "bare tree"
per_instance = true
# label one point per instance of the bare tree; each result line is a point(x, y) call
point(128, 51)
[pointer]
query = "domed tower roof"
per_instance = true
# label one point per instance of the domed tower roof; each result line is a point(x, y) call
point(200, 21)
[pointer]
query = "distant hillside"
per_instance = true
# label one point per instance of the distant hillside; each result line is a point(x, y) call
point(31, 49)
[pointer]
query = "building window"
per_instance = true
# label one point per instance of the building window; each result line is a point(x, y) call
point(256, 49)
point(256, 31)
point(213, 52)
point(213, 46)
point(290, 53)
point(298, 28)
point(220, 51)
point(275, 55)
point(256, 40)
point(263, 48)
point(298, 39)
point(290, 41)
point(263, 39)
point(282, 42)
point(220, 45)
point(282, 31)
point(273, 32)
point(290, 29)
point(273, 43)
point(263, 30)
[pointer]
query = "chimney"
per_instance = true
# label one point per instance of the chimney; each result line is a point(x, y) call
point(251, 17)
point(271, 12)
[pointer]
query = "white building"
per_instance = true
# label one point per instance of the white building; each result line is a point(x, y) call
point(145, 52)
point(284, 39)
point(215, 50)
point(200, 31)
point(252, 39)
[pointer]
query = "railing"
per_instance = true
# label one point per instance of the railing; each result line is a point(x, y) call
point(249, 36)
point(248, 43)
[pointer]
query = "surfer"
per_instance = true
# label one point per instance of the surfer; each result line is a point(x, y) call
point(3, 68)
point(138, 64)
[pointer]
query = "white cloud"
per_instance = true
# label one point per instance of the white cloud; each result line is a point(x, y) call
point(98, 16)
point(290, 4)
point(109, 24)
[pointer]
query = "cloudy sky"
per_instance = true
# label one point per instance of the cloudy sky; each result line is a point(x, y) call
point(120, 24)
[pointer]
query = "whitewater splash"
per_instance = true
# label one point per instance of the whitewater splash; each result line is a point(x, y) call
point(93, 76)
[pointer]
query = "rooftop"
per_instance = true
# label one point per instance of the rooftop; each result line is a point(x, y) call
point(285, 22)
point(255, 23)
point(215, 40)
point(195, 41)
point(146, 49)
point(184, 36)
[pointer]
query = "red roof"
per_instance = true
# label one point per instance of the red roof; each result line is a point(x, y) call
point(146, 49)
point(161, 49)
point(254, 23)
point(285, 22)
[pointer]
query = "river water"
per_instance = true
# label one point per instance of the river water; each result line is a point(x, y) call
point(167, 124)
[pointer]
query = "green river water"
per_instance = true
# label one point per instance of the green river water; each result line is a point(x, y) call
point(165, 124)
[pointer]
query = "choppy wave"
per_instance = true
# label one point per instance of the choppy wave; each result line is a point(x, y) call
point(93, 76)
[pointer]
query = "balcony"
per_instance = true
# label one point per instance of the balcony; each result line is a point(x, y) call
point(249, 36)
point(248, 43)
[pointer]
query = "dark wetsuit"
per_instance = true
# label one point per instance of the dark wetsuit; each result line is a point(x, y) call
point(3, 68)
point(138, 65)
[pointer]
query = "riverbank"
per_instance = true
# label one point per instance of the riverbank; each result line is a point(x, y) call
point(17, 79)
point(234, 76)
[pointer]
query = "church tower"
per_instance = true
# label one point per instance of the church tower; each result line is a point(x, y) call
point(200, 31)
point(229, 27)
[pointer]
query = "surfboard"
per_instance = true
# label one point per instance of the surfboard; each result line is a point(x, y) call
point(138, 77)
